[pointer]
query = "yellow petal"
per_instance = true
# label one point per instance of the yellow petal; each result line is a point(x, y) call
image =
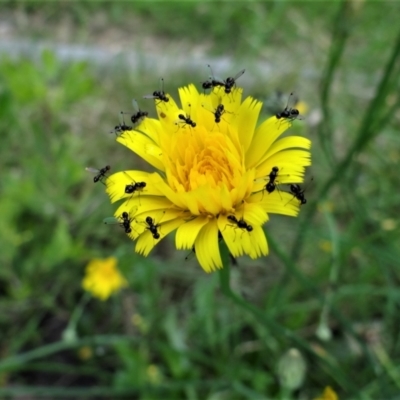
point(205, 112)
point(189, 100)
point(247, 116)
point(169, 107)
point(277, 202)
point(206, 245)
point(286, 143)
point(265, 135)
point(252, 213)
point(258, 245)
point(143, 147)
point(287, 174)
point(143, 204)
point(151, 128)
point(187, 233)
point(146, 242)
point(116, 184)
point(231, 101)
point(232, 235)
point(284, 160)
point(165, 189)
point(168, 114)
point(245, 186)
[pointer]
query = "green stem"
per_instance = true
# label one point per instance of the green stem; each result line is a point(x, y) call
point(78, 311)
point(383, 357)
point(310, 286)
point(70, 333)
point(365, 134)
point(158, 391)
point(380, 124)
point(323, 328)
point(272, 325)
point(340, 34)
point(47, 350)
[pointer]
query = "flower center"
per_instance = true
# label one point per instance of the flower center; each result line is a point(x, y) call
point(201, 158)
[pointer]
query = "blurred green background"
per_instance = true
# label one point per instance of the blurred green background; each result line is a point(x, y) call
point(330, 287)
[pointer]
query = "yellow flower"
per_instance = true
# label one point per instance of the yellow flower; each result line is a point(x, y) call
point(102, 278)
point(328, 394)
point(325, 245)
point(213, 166)
point(85, 353)
point(140, 323)
point(302, 107)
point(153, 374)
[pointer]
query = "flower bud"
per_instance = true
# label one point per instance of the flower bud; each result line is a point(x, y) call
point(291, 369)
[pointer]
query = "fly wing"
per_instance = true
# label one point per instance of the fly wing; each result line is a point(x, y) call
point(162, 85)
point(292, 100)
point(135, 105)
point(151, 96)
point(239, 74)
point(92, 170)
point(209, 107)
point(213, 77)
point(111, 221)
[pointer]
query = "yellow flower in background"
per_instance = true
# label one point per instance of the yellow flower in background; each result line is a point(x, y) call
point(85, 353)
point(302, 107)
point(103, 278)
point(328, 394)
point(153, 374)
point(214, 165)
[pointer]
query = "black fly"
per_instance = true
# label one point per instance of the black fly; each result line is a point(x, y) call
point(124, 220)
point(241, 223)
point(121, 127)
point(298, 193)
point(230, 82)
point(187, 120)
point(218, 113)
point(289, 112)
point(271, 184)
point(139, 114)
point(134, 186)
point(152, 227)
point(212, 82)
point(158, 94)
point(100, 173)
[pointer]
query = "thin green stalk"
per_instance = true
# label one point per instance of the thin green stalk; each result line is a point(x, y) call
point(340, 36)
point(76, 314)
point(263, 318)
point(382, 122)
point(365, 134)
point(66, 392)
point(310, 286)
point(109, 392)
point(14, 362)
point(391, 370)
point(323, 328)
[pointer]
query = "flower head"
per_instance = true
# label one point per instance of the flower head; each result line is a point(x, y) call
point(103, 278)
point(217, 175)
point(328, 394)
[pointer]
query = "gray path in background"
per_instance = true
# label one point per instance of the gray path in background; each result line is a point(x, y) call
point(159, 63)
